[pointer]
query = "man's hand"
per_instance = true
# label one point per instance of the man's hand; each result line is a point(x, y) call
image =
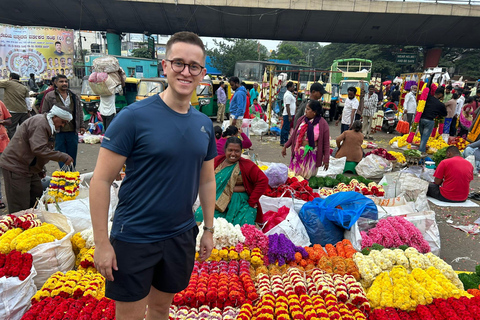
point(105, 260)
point(82, 130)
point(336, 122)
point(206, 245)
point(284, 152)
point(325, 166)
point(69, 160)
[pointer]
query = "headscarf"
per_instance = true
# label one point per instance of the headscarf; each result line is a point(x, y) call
point(59, 112)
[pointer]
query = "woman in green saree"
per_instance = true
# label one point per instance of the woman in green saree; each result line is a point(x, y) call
point(240, 183)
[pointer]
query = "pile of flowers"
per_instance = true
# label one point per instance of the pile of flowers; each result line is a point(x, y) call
point(451, 308)
point(371, 189)
point(64, 186)
point(72, 284)
point(255, 238)
point(404, 291)
point(85, 308)
point(382, 153)
point(459, 142)
point(282, 250)
point(225, 235)
point(385, 260)
point(23, 241)
point(25, 222)
point(239, 252)
point(399, 156)
point(293, 188)
point(84, 260)
point(402, 140)
point(435, 143)
point(15, 264)
point(393, 232)
point(219, 285)
point(203, 312)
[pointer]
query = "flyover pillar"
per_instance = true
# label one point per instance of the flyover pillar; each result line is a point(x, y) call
point(114, 43)
point(432, 57)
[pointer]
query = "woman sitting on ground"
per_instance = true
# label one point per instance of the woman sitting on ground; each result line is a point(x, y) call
point(310, 142)
point(349, 143)
point(232, 131)
point(240, 183)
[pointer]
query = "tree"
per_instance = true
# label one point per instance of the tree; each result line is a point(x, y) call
point(228, 51)
point(141, 53)
point(287, 51)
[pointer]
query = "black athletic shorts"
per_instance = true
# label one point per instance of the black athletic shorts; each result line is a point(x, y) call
point(165, 265)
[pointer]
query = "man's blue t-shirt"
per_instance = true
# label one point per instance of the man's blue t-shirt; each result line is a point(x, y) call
point(165, 151)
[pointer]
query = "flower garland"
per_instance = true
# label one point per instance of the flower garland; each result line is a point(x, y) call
point(15, 264)
point(422, 99)
point(394, 232)
point(7, 238)
point(203, 312)
point(281, 249)
point(72, 284)
point(255, 238)
point(371, 189)
point(451, 308)
point(85, 308)
point(26, 221)
point(64, 186)
point(226, 234)
point(404, 291)
point(23, 241)
point(293, 188)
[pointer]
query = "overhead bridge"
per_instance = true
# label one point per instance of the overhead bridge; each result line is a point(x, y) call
point(423, 23)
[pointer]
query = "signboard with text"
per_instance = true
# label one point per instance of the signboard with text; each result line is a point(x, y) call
point(406, 58)
point(42, 51)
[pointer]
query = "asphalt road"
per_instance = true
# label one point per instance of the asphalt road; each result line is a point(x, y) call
point(457, 247)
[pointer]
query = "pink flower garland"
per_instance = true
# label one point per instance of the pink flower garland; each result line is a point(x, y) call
point(393, 232)
point(255, 238)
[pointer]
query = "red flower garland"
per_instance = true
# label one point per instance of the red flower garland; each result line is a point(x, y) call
point(15, 264)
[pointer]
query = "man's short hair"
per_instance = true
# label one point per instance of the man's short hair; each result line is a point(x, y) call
point(186, 37)
point(234, 80)
point(371, 87)
point(243, 84)
point(60, 76)
point(453, 150)
point(289, 84)
point(32, 75)
point(221, 82)
point(57, 42)
point(449, 87)
point(455, 96)
point(352, 89)
point(440, 90)
point(317, 87)
point(14, 76)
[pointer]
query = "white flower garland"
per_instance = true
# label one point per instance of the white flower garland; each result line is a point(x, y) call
point(225, 235)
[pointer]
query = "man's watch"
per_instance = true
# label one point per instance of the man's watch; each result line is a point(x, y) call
point(212, 229)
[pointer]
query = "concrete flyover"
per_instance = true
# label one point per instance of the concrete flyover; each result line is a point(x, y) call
point(424, 23)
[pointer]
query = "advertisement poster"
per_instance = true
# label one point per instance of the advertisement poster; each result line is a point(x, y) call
point(42, 51)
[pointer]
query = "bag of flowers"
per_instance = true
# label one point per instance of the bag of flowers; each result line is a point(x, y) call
point(16, 284)
point(46, 236)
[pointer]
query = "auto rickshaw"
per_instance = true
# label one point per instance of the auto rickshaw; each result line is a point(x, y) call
point(204, 91)
point(87, 96)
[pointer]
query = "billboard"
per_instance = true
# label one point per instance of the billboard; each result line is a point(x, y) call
point(42, 51)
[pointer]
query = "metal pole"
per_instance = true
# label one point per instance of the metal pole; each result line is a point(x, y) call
point(270, 71)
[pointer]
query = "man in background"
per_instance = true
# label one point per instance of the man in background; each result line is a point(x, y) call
point(289, 107)
point(238, 103)
point(14, 99)
point(411, 104)
point(221, 102)
point(316, 92)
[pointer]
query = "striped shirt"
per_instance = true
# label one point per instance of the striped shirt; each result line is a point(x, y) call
point(370, 104)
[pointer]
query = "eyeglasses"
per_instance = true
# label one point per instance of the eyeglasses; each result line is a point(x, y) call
point(178, 66)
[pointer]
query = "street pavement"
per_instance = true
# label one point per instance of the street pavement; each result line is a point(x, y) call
point(457, 247)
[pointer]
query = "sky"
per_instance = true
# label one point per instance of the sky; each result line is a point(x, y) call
point(270, 44)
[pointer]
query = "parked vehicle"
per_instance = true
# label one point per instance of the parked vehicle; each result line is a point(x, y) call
point(390, 121)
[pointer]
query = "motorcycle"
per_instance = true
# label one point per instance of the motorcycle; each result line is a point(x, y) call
point(390, 121)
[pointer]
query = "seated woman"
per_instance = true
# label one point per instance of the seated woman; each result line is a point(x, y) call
point(218, 132)
point(95, 124)
point(240, 183)
point(232, 131)
point(310, 142)
point(349, 143)
point(466, 117)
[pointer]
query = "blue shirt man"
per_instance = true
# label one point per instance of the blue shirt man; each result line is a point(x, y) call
point(254, 93)
point(238, 103)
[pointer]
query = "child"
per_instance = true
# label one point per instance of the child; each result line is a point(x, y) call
point(95, 125)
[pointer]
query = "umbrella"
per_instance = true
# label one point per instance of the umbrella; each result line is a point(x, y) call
point(386, 82)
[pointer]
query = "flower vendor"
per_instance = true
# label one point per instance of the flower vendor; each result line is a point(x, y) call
point(433, 109)
point(349, 143)
point(26, 155)
point(232, 131)
point(151, 251)
point(310, 142)
point(240, 183)
point(452, 178)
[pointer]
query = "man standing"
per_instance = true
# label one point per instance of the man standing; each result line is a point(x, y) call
point(448, 94)
point(316, 92)
point(107, 105)
point(349, 110)
point(254, 93)
point(26, 155)
point(50, 88)
point(395, 96)
point(238, 103)
point(14, 98)
point(451, 106)
point(289, 106)
point(42, 88)
point(433, 109)
point(151, 251)
point(32, 84)
point(221, 102)
point(67, 139)
point(411, 104)
point(370, 107)
point(452, 178)
point(458, 110)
